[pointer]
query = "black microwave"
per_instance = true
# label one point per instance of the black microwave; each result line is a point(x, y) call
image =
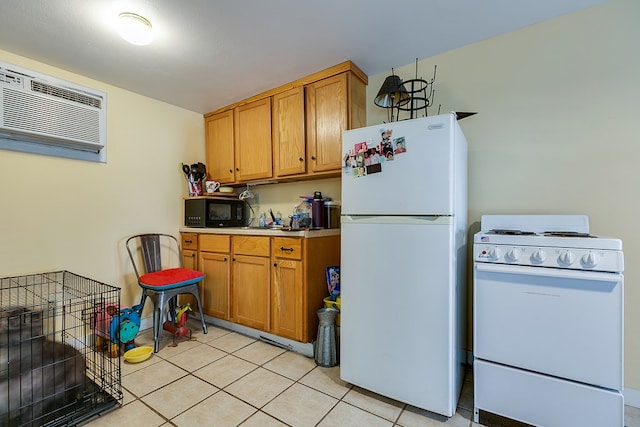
point(214, 212)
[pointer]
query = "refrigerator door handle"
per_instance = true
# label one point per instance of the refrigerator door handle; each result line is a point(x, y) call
point(398, 219)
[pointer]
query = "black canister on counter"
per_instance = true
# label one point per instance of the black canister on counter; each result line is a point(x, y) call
point(317, 210)
point(331, 214)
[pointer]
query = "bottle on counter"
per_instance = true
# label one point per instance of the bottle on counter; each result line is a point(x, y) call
point(317, 210)
point(262, 222)
point(303, 209)
point(295, 220)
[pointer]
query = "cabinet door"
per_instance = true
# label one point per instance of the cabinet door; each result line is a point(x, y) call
point(327, 117)
point(251, 283)
point(220, 147)
point(214, 289)
point(253, 140)
point(288, 132)
point(286, 299)
point(189, 260)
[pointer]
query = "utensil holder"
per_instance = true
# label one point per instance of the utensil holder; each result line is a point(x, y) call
point(324, 347)
point(195, 187)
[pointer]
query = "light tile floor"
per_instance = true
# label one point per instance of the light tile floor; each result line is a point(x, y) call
point(227, 379)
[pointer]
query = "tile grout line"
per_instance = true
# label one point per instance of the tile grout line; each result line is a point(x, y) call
point(350, 388)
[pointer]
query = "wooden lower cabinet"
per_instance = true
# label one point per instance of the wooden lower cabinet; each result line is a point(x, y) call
point(272, 284)
point(214, 289)
point(189, 260)
point(214, 260)
point(287, 299)
point(189, 252)
point(250, 280)
point(251, 291)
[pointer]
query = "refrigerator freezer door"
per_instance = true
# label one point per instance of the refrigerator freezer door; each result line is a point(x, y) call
point(429, 178)
point(398, 309)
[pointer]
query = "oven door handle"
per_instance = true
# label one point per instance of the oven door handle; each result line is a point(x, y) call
point(547, 272)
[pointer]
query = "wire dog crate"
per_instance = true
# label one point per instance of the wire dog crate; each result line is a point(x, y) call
point(51, 371)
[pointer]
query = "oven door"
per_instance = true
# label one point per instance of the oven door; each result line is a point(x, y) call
point(564, 323)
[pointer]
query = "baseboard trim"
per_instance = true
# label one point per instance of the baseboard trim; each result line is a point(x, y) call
point(631, 397)
point(146, 323)
point(298, 347)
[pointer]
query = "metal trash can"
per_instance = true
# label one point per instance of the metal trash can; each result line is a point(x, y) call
point(324, 347)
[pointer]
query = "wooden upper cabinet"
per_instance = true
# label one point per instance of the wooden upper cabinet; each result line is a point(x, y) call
point(290, 132)
point(252, 125)
point(220, 147)
point(289, 155)
point(333, 105)
point(357, 101)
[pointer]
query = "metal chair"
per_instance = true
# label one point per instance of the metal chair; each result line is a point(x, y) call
point(162, 278)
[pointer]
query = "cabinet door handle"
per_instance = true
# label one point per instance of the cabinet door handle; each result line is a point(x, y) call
point(313, 157)
point(301, 159)
point(282, 248)
point(275, 264)
point(230, 170)
point(188, 241)
point(237, 169)
point(225, 259)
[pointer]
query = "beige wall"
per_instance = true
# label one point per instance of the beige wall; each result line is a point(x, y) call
point(558, 129)
point(284, 196)
point(61, 214)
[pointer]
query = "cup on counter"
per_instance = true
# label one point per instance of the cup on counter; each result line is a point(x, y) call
point(212, 186)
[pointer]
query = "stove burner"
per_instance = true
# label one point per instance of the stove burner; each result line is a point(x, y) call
point(506, 232)
point(567, 234)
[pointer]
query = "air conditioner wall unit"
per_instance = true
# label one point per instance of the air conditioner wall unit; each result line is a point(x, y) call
point(40, 109)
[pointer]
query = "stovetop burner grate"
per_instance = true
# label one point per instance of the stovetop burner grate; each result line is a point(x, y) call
point(512, 232)
point(567, 234)
point(507, 232)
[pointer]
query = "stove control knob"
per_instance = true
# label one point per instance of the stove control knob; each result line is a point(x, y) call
point(590, 260)
point(566, 258)
point(538, 256)
point(513, 254)
point(494, 254)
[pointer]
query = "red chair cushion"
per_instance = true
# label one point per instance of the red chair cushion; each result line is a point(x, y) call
point(171, 278)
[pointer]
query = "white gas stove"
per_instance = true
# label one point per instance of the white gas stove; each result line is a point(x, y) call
point(548, 321)
point(556, 241)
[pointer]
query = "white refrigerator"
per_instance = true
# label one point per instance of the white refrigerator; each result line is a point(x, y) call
point(403, 287)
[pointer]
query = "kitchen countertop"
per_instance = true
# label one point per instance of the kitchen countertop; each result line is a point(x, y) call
point(264, 231)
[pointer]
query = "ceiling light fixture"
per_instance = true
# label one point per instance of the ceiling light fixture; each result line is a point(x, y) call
point(135, 29)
